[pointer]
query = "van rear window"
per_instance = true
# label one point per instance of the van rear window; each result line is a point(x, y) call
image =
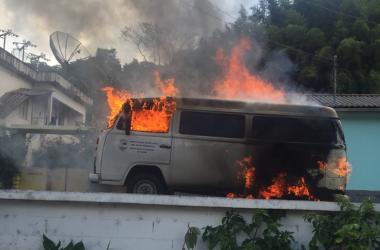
point(312, 130)
point(212, 124)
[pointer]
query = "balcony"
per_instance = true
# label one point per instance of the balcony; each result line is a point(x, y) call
point(21, 68)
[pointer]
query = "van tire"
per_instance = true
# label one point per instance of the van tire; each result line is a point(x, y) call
point(146, 183)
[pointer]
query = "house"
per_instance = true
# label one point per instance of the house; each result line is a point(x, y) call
point(38, 106)
point(38, 98)
point(360, 117)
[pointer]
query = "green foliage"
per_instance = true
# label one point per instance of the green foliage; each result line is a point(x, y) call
point(353, 228)
point(191, 238)
point(262, 232)
point(48, 244)
point(349, 28)
point(374, 82)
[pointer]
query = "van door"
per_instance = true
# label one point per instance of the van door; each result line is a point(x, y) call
point(206, 148)
point(121, 152)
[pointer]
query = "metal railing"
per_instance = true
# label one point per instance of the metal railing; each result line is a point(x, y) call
point(52, 77)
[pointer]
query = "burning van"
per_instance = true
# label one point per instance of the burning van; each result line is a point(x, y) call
point(233, 148)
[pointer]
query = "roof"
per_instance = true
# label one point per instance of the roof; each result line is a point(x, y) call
point(12, 99)
point(348, 101)
point(251, 107)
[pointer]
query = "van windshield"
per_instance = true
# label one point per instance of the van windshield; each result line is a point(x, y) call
point(289, 129)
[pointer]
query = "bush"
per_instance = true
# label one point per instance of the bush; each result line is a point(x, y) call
point(353, 228)
point(50, 245)
point(262, 232)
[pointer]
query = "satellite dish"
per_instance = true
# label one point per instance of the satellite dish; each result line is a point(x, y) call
point(67, 49)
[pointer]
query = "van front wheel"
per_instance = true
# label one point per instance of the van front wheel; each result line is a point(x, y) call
point(144, 183)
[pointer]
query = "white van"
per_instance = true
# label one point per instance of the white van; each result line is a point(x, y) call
point(205, 140)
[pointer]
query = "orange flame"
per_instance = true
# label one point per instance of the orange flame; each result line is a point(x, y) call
point(322, 165)
point(300, 190)
point(148, 116)
point(238, 82)
point(277, 189)
point(344, 167)
point(280, 187)
point(231, 195)
point(115, 101)
point(167, 88)
point(248, 171)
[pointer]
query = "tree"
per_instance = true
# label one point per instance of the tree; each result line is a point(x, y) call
point(360, 30)
point(349, 52)
point(156, 43)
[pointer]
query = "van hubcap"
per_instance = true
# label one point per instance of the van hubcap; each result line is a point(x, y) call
point(145, 187)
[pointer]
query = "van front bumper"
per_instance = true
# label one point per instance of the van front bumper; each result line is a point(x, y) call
point(94, 177)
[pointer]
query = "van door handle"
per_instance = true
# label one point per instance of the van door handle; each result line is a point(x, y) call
point(165, 146)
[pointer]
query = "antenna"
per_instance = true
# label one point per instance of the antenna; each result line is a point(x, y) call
point(35, 59)
point(67, 49)
point(5, 33)
point(21, 46)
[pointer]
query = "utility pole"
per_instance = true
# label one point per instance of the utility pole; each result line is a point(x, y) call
point(334, 77)
point(24, 45)
point(35, 59)
point(5, 33)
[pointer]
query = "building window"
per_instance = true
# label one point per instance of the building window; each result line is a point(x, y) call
point(212, 124)
point(24, 110)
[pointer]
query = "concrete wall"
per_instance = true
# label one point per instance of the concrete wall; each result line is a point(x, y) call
point(136, 222)
point(69, 102)
point(362, 132)
point(15, 116)
point(10, 81)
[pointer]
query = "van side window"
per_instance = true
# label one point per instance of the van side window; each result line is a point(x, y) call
point(212, 124)
point(309, 130)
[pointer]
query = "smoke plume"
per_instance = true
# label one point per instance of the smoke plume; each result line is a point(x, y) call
point(98, 23)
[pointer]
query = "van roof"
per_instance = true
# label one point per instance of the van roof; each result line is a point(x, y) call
point(252, 107)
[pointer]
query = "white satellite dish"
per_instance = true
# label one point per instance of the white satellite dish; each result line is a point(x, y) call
point(67, 49)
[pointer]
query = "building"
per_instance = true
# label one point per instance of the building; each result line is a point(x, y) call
point(38, 98)
point(36, 103)
point(360, 116)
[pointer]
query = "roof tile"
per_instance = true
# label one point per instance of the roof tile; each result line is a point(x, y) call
point(347, 100)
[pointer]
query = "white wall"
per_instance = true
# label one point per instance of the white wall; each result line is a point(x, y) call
point(10, 81)
point(15, 116)
point(136, 222)
point(70, 103)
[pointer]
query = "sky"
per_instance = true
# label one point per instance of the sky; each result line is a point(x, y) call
point(98, 23)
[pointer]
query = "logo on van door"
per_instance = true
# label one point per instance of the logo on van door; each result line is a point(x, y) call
point(143, 147)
